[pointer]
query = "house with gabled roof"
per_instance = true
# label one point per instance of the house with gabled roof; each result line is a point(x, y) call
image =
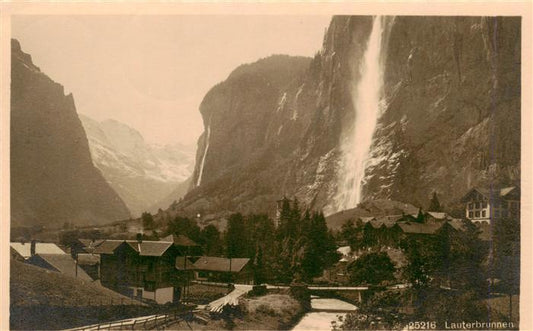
point(141, 268)
point(489, 204)
point(25, 250)
point(221, 269)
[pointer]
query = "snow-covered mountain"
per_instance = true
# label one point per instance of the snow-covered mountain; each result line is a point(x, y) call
point(140, 172)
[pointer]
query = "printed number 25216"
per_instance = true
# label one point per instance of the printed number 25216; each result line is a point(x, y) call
point(426, 325)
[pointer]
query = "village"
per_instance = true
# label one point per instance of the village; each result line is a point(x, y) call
point(174, 271)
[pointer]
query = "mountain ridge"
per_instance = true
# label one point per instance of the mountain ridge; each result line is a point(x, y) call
point(53, 180)
point(142, 173)
point(451, 98)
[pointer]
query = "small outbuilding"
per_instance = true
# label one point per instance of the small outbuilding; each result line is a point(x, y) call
point(221, 269)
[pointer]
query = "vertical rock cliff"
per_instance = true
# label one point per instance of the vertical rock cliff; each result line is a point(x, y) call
point(449, 117)
point(53, 179)
point(453, 108)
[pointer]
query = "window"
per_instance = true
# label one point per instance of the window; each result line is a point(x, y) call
point(470, 214)
point(149, 286)
point(477, 205)
point(484, 213)
point(477, 213)
point(471, 206)
point(484, 204)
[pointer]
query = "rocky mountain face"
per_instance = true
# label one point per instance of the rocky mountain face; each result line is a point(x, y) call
point(141, 173)
point(53, 179)
point(453, 108)
point(450, 118)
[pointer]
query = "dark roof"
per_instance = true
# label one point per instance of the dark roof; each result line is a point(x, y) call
point(438, 215)
point(144, 248)
point(210, 263)
point(492, 193)
point(389, 221)
point(149, 248)
point(367, 219)
point(88, 259)
point(108, 246)
point(90, 243)
point(419, 228)
point(180, 263)
point(180, 240)
point(65, 264)
point(457, 224)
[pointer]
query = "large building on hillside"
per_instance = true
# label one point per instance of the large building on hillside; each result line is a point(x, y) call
point(489, 204)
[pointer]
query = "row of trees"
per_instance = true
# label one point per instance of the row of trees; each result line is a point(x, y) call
point(299, 249)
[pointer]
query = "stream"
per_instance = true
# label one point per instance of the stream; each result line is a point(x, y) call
point(324, 311)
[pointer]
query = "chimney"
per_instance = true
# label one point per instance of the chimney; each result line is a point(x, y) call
point(32, 247)
point(139, 241)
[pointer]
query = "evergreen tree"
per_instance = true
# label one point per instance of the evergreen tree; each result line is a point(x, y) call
point(147, 220)
point(319, 250)
point(236, 237)
point(420, 218)
point(351, 234)
point(186, 227)
point(434, 204)
point(212, 243)
point(418, 268)
point(506, 254)
point(284, 218)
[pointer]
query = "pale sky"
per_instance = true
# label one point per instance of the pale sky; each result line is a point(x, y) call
point(151, 72)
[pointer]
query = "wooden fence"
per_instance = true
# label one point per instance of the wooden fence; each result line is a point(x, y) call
point(138, 323)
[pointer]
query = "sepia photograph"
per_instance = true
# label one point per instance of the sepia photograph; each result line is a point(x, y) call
point(334, 170)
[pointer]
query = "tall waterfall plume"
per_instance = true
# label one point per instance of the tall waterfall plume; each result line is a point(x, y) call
point(366, 96)
point(201, 171)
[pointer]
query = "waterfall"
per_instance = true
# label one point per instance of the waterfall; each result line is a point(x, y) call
point(356, 143)
point(201, 171)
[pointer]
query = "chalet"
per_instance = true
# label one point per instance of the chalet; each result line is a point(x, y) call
point(143, 269)
point(221, 269)
point(489, 204)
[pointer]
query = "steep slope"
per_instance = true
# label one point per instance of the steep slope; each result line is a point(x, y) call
point(453, 115)
point(449, 118)
point(141, 173)
point(53, 179)
point(252, 129)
